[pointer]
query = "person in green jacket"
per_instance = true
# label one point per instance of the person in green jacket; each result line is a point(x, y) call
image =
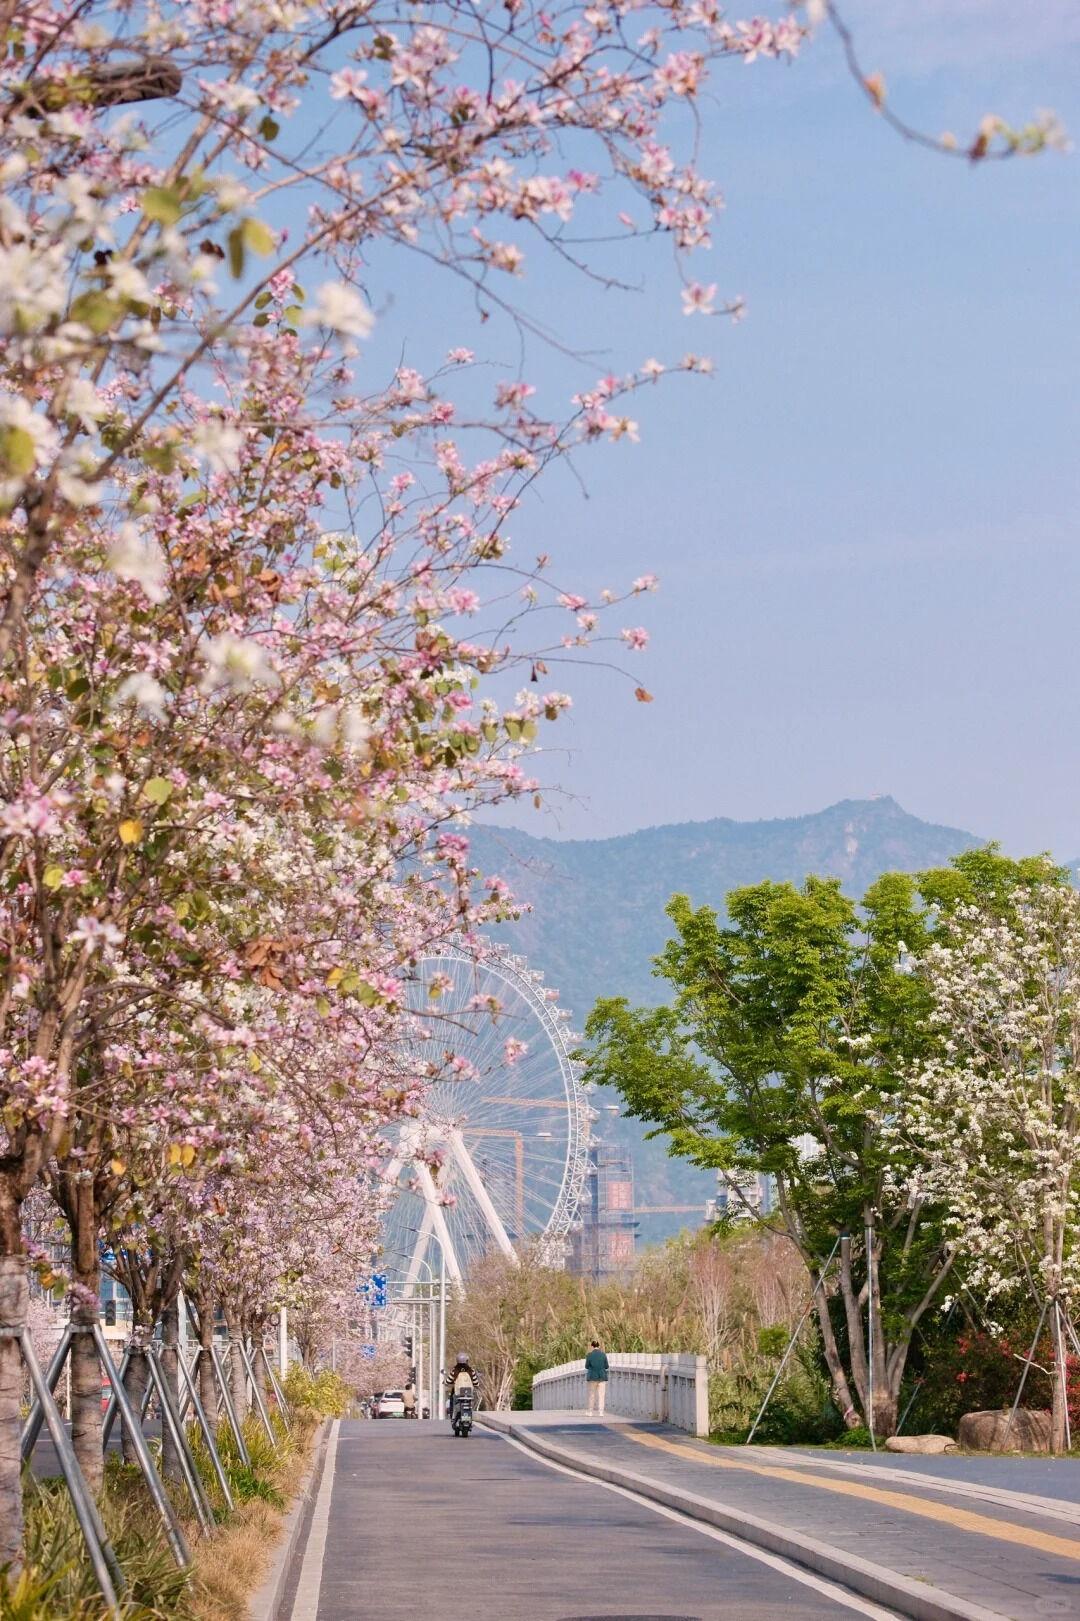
point(596, 1375)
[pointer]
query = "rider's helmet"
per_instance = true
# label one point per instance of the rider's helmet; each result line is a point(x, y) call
point(462, 1359)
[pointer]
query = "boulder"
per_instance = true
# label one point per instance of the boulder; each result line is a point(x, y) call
point(920, 1443)
point(986, 1432)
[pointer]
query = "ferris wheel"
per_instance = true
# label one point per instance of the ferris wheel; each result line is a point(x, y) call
point(498, 1159)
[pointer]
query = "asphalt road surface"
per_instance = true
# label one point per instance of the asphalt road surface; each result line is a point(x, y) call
point(416, 1523)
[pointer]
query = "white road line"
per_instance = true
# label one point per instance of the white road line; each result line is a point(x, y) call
point(839, 1595)
point(306, 1604)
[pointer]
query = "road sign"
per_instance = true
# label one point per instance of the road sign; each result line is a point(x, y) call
point(373, 1289)
point(368, 1351)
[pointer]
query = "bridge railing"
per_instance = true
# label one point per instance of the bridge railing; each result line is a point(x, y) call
point(668, 1388)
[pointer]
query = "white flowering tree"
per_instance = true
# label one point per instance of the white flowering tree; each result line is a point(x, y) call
point(994, 1114)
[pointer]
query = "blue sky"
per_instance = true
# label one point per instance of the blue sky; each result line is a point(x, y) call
point(865, 524)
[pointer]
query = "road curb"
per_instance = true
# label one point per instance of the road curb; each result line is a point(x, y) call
point(918, 1600)
point(267, 1603)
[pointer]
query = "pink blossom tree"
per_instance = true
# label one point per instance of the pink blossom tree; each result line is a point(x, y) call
point(241, 700)
point(232, 582)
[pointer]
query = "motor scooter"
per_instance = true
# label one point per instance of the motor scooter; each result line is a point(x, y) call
point(463, 1412)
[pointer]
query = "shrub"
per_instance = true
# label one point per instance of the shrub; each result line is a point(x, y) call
point(800, 1410)
point(976, 1370)
point(324, 1394)
point(858, 1438)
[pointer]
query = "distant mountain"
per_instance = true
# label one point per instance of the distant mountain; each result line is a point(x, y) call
point(597, 915)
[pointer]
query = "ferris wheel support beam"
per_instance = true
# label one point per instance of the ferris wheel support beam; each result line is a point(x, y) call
point(480, 1193)
point(435, 1210)
point(423, 1235)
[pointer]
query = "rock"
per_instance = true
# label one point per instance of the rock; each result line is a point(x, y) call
point(920, 1443)
point(986, 1432)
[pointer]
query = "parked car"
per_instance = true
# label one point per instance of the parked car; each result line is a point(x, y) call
point(390, 1404)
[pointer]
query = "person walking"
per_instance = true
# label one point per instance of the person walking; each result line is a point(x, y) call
point(408, 1400)
point(596, 1377)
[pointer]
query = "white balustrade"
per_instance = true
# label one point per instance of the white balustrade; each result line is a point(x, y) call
point(666, 1388)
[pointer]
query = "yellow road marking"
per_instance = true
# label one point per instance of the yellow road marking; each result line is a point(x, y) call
point(961, 1518)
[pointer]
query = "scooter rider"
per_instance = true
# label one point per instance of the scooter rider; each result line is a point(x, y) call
point(462, 1376)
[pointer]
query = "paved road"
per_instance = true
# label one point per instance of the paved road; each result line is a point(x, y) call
point(1045, 1477)
point(422, 1525)
point(45, 1461)
point(978, 1538)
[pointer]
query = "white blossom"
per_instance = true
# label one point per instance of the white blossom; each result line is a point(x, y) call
point(237, 662)
point(341, 308)
point(84, 402)
point(137, 556)
point(144, 692)
point(218, 445)
point(995, 1122)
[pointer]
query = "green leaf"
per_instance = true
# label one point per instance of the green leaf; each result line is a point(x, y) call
point(157, 790)
point(52, 877)
point(269, 128)
point(17, 451)
point(258, 237)
point(236, 250)
point(162, 203)
point(263, 300)
point(96, 310)
point(292, 313)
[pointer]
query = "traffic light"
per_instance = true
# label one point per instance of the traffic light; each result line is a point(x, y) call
point(408, 1346)
point(110, 1313)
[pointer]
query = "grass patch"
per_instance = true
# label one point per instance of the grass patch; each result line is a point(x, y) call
point(231, 1565)
point(56, 1582)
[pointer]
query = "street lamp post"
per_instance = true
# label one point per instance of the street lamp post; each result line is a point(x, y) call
point(436, 1410)
point(437, 1352)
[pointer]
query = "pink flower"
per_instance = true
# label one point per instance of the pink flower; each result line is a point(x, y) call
point(698, 300)
point(637, 638)
point(347, 82)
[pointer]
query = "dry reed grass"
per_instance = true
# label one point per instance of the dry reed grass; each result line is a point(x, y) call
point(228, 1569)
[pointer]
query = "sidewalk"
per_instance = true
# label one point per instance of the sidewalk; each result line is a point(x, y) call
point(954, 1539)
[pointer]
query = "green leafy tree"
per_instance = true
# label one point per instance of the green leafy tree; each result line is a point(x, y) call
point(782, 1052)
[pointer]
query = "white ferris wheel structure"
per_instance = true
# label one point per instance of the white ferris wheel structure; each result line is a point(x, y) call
point(498, 1159)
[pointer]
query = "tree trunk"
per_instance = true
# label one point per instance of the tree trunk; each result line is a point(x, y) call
point(856, 1335)
point(86, 1371)
point(14, 1303)
point(841, 1389)
point(135, 1380)
point(257, 1364)
point(238, 1375)
point(886, 1391)
point(1058, 1398)
point(208, 1385)
point(170, 1360)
